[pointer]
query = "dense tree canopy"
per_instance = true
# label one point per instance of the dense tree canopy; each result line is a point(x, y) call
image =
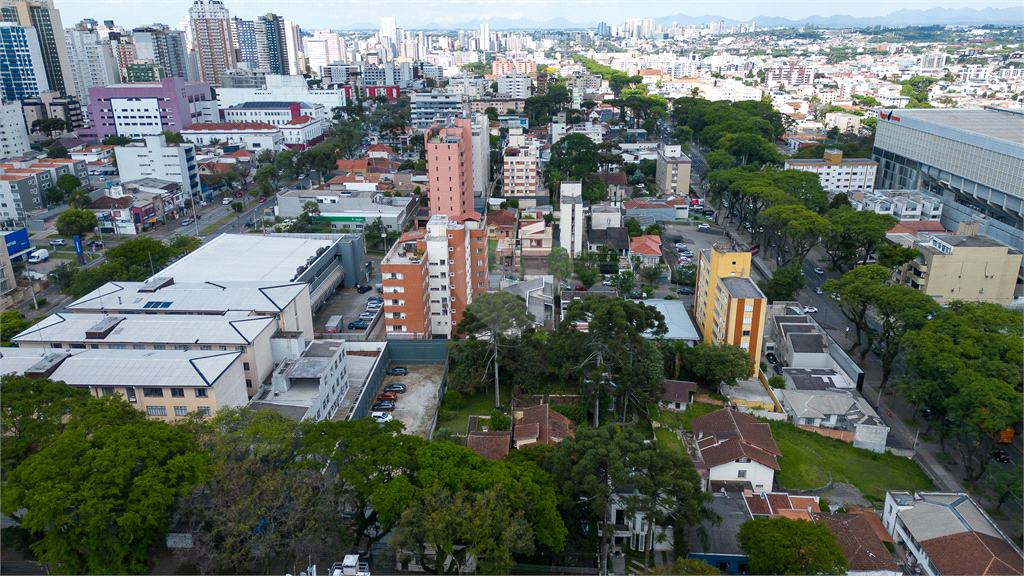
point(784, 546)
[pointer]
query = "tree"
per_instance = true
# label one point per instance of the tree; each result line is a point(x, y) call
point(633, 227)
point(49, 126)
point(109, 481)
point(1005, 483)
point(686, 566)
point(856, 292)
point(854, 236)
point(713, 366)
point(981, 407)
point(173, 137)
point(897, 310)
point(498, 313)
point(13, 324)
point(33, 410)
point(79, 199)
point(784, 284)
point(76, 222)
point(115, 140)
point(373, 233)
point(893, 255)
point(54, 196)
point(585, 266)
point(237, 207)
point(625, 281)
point(69, 183)
point(798, 226)
point(686, 275)
point(784, 546)
point(651, 274)
point(492, 113)
point(559, 263)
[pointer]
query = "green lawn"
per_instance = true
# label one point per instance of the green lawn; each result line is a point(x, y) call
point(213, 227)
point(492, 249)
point(677, 419)
point(475, 405)
point(669, 440)
point(807, 456)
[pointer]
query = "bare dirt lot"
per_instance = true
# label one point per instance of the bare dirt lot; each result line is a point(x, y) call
point(416, 407)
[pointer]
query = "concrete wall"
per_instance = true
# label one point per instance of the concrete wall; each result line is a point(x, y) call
point(871, 437)
point(759, 475)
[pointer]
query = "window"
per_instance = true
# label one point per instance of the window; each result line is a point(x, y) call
point(177, 392)
point(156, 410)
point(202, 393)
point(245, 365)
point(138, 346)
point(159, 347)
point(206, 347)
point(153, 392)
point(240, 349)
point(181, 410)
point(203, 410)
point(741, 474)
point(248, 383)
point(746, 332)
point(131, 394)
point(107, 391)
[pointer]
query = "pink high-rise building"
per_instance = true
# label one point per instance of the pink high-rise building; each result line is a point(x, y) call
point(450, 167)
point(211, 33)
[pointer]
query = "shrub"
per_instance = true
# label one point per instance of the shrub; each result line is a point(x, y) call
point(777, 382)
point(500, 422)
point(823, 504)
point(40, 302)
point(445, 415)
point(441, 435)
point(575, 412)
point(764, 366)
point(452, 400)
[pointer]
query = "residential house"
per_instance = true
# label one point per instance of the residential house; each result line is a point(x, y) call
point(501, 224)
point(646, 250)
point(539, 293)
point(948, 534)
point(823, 398)
point(114, 215)
point(541, 425)
point(604, 216)
point(737, 449)
point(678, 395)
point(657, 211)
point(491, 444)
point(781, 505)
point(616, 184)
point(864, 550)
point(536, 236)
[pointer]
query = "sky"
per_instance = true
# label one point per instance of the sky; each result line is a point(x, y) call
point(412, 14)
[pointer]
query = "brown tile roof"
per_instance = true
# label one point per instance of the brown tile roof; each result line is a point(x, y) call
point(552, 427)
point(501, 218)
point(916, 227)
point(490, 445)
point(527, 431)
point(678, 391)
point(351, 165)
point(298, 120)
point(217, 167)
point(874, 520)
point(240, 154)
point(107, 203)
point(612, 178)
point(380, 148)
point(860, 545)
point(725, 435)
point(973, 553)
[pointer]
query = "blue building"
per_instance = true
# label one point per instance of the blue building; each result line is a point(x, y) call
point(244, 32)
point(22, 69)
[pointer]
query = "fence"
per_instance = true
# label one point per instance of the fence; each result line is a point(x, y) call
point(441, 389)
point(844, 435)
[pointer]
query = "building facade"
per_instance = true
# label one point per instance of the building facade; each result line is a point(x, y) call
point(672, 174)
point(572, 223)
point(164, 46)
point(450, 167)
point(838, 174)
point(431, 107)
point(13, 131)
point(22, 73)
point(270, 44)
point(92, 61)
point(728, 307)
point(515, 85)
point(211, 35)
point(954, 267)
point(41, 15)
point(155, 158)
point(140, 110)
point(52, 105)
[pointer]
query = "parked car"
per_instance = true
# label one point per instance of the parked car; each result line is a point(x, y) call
point(226, 201)
point(358, 325)
point(685, 290)
point(59, 242)
point(1001, 456)
point(772, 358)
point(375, 299)
point(581, 288)
point(363, 288)
point(367, 315)
point(382, 417)
point(238, 194)
point(703, 226)
point(383, 407)
point(262, 199)
point(95, 244)
point(819, 271)
point(608, 283)
point(397, 371)
point(186, 222)
point(778, 369)
point(810, 310)
point(397, 388)
point(387, 397)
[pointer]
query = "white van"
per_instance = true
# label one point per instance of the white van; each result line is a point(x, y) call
point(39, 256)
point(226, 201)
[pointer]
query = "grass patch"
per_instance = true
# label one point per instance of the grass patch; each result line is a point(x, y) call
point(492, 248)
point(669, 441)
point(481, 404)
point(807, 457)
point(669, 419)
point(213, 227)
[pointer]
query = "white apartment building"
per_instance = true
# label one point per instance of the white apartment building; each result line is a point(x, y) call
point(481, 138)
point(13, 132)
point(469, 85)
point(838, 174)
point(516, 85)
point(92, 62)
point(157, 159)
point(431, 107)
point(254, 136)
point(519, 176)
point(572, 223)
point(280, 88)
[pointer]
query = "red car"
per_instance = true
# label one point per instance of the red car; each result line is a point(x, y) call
point(582, 288)
point(387, 397)
point(238, 194)
point(262, 200)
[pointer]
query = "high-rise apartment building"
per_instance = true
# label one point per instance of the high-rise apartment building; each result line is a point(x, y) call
point(164, 46)
point(293, 48)
point(41, 15)
point(13, 131)
point(431, 107)
point(92, 61)
point(499, 67)
point(22, 73)
point(517, 86)
point(211, 33)
point(270, 43)
point(672, 174)
point(52, 105)
point(430, 275)
point(572, 222)
point(728, 306)
point(243, 38)
point(450, 167)
point(124, 54)
point(485, 37)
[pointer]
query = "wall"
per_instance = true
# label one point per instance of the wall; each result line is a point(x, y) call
point(759, 475)
point(229, 389)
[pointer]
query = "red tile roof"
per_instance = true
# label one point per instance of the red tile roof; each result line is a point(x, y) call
point(240, 154)
point(727, 435)
point(648, 245)
point(678, 391)
point(229, 126)
point(304, 119)
point(351, 165)
point(490, 445)
point(544, 424)
point(861, 546)
point(917, 227)
point(501, 218)
point(973, 553)
point(612, 178)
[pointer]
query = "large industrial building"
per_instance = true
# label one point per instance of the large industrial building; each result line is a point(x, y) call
point(969, 157)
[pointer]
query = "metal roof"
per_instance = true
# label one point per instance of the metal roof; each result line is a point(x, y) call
point(246, 258)
point(263, 297)
point(233, 328)
point(1001, 124)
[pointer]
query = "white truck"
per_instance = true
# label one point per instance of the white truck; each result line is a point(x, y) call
point(38, 256)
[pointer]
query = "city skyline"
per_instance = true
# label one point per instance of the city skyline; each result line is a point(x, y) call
point(419, 14)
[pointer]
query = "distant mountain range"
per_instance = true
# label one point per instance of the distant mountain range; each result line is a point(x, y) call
point(899, 18)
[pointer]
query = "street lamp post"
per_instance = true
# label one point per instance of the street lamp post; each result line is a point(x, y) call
point(384, 241)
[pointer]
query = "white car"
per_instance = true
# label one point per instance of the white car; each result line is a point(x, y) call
point(810, 309)
point(608, 283)
point(819, 271)
point(703, 226)
point(382, 417)
point(818, 290)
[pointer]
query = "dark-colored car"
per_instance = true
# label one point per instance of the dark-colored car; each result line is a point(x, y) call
point(363, 288)
point(397, 371)
point(383, 407)
point(685, 290)
point(772, 358)
point(397, 388)
point(581, 288)
point(387, 397)
point(95, 244)
point(1001, 456)
point(359, 325)
point(375, 299)
point(778, 369)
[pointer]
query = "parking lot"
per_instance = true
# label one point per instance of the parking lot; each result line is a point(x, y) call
point(345, 302)
point(415, 408)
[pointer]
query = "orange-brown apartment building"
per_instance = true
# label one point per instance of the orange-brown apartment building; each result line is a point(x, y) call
point(432, 274)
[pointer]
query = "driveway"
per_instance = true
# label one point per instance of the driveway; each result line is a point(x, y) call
point(416, 407)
